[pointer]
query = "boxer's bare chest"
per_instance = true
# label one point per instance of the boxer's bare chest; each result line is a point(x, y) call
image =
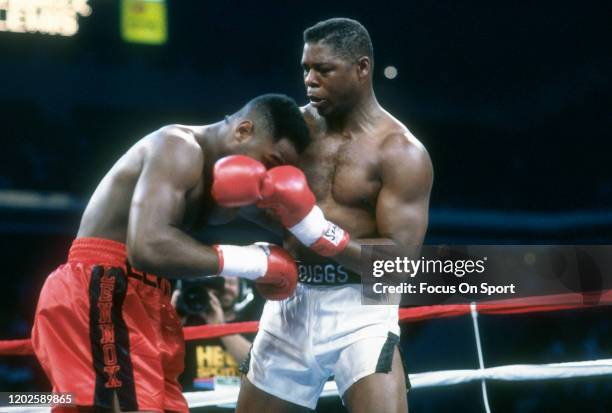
point(342, 171)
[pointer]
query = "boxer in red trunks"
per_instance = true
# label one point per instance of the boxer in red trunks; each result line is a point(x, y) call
point(104, 329)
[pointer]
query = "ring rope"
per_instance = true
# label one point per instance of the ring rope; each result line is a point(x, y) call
point(511, 306)
point(513, 372)
point(517, 372)
point(483, 383)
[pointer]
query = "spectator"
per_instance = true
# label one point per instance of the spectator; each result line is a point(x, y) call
point(215, 361)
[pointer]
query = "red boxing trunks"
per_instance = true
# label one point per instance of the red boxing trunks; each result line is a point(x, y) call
point(103, 329)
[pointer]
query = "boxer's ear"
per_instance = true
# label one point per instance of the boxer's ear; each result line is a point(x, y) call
point(244, 131)
point(364, 67)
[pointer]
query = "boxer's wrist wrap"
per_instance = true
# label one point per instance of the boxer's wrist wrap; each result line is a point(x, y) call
point(322, 236)
point(250, 262)
point(310, 228)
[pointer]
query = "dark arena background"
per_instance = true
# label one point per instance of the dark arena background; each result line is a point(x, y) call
point(512, 100)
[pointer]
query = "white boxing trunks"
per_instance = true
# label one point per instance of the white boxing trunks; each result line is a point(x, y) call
point(319, 332)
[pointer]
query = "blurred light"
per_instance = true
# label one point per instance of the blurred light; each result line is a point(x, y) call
point(19, 199)
point(390, 72)
point(42, 16)
point(144, 21)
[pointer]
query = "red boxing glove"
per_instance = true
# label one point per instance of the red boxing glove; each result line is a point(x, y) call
point(285, 190)
point(237, 180)
point(271, 267)
point(280, 280)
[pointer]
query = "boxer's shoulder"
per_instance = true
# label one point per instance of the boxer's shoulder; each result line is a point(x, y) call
point(308, 111)
point(402, 143)
point(402, 154)
point(174, 135)
point(396, 140)
point(313, 120)
point(174, 142)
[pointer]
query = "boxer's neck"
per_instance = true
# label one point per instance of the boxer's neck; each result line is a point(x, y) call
point(359, 117)
point(212, 140)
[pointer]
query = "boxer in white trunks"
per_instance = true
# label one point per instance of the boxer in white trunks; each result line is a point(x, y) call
point(364, 179)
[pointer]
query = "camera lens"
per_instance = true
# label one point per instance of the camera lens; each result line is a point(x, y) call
point(194, 295)
point(195, 299)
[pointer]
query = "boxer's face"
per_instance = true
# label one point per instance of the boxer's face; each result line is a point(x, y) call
point(332, 83)
point(272, 153)
point(256, 143)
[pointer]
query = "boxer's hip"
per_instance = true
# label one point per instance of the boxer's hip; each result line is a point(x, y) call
point(100, 320)
point(316, 314)
point(97, 277)
point(317, 332)
point(87, 253)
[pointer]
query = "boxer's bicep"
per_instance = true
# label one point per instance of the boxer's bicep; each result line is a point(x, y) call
point(403, 202)
point(170, 169)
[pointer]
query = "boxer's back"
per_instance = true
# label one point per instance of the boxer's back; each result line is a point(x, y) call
point(108, 210)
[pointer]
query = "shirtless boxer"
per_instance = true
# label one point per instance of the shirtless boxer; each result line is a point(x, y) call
point(104, 329)
point(371, 179)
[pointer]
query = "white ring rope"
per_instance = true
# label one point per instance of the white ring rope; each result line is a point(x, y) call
point(513, 372)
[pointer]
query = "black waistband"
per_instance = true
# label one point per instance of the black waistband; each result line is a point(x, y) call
point(326, 273)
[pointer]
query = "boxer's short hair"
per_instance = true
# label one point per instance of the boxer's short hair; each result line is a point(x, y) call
point(347, 37)
point(282, 117)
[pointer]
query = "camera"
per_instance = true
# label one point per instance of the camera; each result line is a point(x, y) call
point(193, 298)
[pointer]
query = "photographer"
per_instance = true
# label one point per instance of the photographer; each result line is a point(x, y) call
point(215, 301)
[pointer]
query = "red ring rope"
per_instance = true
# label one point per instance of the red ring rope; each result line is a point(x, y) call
point(511, 306)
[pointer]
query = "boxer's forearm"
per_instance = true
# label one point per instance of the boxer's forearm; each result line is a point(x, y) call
point(172, 253)
point(350, 257)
